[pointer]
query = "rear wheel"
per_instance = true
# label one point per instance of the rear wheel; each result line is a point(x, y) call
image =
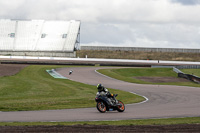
point(122, 107)
point(101, 107)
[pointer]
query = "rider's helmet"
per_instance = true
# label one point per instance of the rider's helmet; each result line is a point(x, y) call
point(100, 87)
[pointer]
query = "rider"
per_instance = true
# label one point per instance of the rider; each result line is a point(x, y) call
point(104, 92)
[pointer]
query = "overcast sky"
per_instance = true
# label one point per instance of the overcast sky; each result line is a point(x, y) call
point(132, 23)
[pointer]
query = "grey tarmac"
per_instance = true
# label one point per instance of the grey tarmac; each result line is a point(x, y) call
point(164, 101)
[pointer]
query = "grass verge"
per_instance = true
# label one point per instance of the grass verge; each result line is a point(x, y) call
point(192, 71)
point(168, 121)
point(131, 74)
point(34, 89)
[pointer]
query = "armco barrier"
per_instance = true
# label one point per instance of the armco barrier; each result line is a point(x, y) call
point(189, 77)
point(188, 67)
point(177, 70)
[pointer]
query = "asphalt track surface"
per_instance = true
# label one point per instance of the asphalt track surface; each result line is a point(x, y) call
point(162, 101)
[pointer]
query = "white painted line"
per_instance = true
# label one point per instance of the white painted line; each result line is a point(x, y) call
point(104, 75)
point(146, 99)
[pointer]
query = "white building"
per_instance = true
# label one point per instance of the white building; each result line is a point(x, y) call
point(39, 37)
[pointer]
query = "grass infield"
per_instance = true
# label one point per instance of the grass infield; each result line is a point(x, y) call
point(131, 74)
point(34, 89)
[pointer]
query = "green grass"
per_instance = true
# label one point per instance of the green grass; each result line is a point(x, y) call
point(131, 74)
point(34, 89)
point(192, 71)
point(169, 121)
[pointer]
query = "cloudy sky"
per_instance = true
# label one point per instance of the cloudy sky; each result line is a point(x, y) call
point(131, 23)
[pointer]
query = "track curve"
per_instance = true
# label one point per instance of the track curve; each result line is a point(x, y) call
point(164, 101)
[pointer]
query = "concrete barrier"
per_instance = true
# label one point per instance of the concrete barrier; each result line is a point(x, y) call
point(40, 53)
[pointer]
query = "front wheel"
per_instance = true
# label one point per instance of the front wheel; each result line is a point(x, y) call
point(122, 107)
point(101, 107)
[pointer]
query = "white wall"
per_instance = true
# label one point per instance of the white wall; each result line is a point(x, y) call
point(28, 35)
point(6, 28)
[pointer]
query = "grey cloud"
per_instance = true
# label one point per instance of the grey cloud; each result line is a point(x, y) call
point(105, 33)
point(150, 35)
point(187, 2)
point(155, 23)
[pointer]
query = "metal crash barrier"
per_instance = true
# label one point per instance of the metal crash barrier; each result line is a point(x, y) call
point(190, 77)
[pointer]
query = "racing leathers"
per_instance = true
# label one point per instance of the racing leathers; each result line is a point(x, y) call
point(108, 95)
